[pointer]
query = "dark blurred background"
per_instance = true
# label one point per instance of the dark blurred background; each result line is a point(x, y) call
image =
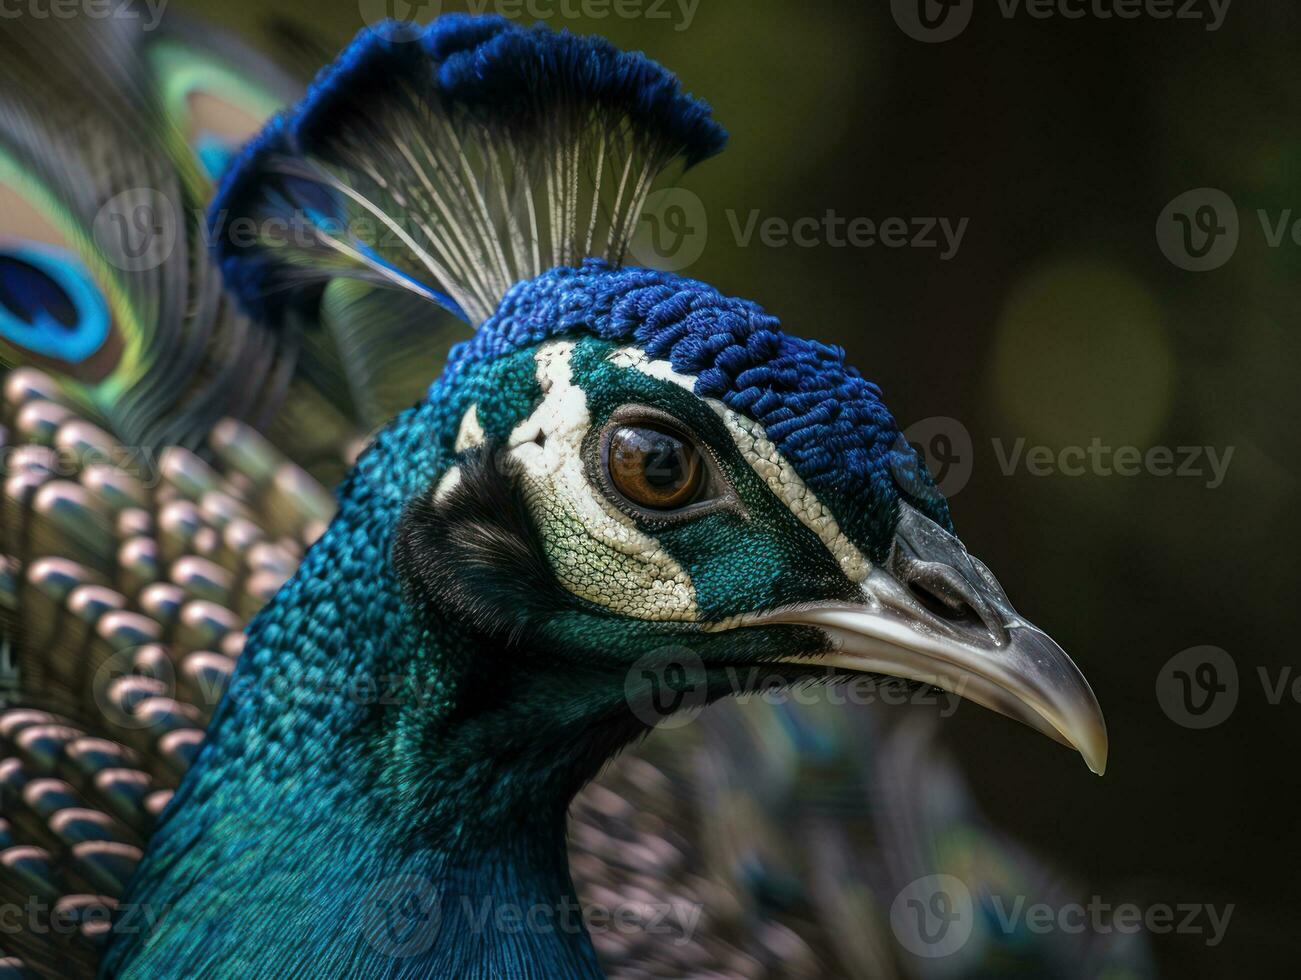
point(1065, 316)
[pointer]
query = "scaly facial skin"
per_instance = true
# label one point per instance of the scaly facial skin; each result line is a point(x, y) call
point(745, 566)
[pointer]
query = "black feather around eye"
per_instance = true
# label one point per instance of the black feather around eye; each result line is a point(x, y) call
point(475, 554)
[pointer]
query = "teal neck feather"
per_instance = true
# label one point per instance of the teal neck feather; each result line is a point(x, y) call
point(372, 773)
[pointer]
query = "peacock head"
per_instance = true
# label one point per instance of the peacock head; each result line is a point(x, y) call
point(623, 477)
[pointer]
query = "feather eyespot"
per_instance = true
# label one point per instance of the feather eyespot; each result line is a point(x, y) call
point(654, 467)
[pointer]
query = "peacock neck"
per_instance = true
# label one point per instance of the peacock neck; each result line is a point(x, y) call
point(382, 792)
point(375, 797)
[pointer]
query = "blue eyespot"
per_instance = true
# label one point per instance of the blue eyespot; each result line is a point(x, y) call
point(49, 305)
point(214, 153)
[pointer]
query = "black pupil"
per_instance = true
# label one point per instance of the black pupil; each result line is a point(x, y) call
point(666, 469)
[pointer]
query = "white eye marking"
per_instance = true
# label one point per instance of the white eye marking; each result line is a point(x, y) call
point(597, 551)
point(637, 359)
point(763, 457)
point(449, 482)
point(470, 435)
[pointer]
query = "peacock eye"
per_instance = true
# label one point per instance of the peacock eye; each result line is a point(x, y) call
point(654, 468)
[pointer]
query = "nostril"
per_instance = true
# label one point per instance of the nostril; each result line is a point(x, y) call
point(943, 579)
point(953, 609)
point(950, 598)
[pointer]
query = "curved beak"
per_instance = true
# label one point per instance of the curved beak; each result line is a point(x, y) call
point(935, 615)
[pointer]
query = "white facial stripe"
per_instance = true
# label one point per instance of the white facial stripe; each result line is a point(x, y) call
point(771, 465)
point(470, 434)
point(637, 359)
point(450, 481)
point(597, 552)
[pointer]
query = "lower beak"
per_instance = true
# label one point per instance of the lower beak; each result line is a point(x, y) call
point(935, 615)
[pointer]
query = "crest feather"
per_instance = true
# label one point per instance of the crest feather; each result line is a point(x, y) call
point(455, 165)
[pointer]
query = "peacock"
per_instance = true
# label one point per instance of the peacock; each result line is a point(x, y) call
point(253, 727)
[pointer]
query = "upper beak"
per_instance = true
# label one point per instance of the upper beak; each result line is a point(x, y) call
point(936, 615)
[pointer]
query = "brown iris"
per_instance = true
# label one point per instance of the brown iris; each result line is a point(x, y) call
point(654, 468)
